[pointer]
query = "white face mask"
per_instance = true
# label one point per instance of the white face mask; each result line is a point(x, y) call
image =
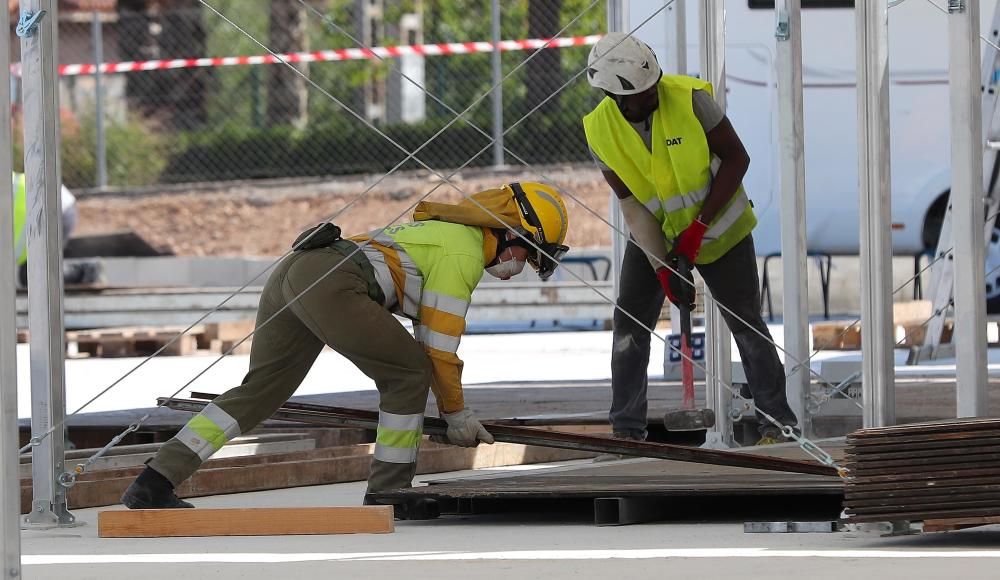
point(506, 269)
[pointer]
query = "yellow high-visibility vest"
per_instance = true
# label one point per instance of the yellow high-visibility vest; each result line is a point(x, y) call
point(20, 216)
point(673, 179)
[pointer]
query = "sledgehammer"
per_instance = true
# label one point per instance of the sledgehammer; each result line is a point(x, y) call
point(688, 418)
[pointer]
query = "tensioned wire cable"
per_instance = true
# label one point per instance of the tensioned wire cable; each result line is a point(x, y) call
point(942, 255)
point(37, 439)
point(788, 431)
point(362, 45)
point(445, 179)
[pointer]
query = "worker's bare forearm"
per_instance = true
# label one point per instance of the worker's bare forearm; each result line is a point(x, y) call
point(617, 185)
point(734, 162)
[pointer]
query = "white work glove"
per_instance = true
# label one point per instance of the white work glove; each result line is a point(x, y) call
point(465, 430)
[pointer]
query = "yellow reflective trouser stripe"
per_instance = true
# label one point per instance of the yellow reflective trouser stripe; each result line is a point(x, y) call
point(208, 431)
point(393, 438)
point(398, 437)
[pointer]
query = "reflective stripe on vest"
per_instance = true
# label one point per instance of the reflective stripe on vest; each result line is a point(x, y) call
point(398, 267)
point(397, 439)
point(673, 180)
point(208, 431)
point(20, 219)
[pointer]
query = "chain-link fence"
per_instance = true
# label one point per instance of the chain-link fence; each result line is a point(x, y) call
point(211, 120)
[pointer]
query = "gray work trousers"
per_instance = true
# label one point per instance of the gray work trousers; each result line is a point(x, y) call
point(340, 313)
point(734, 282)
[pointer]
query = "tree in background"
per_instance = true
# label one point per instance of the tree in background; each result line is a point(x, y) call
point(287, 90)
point(544, 72)
point(155, 29)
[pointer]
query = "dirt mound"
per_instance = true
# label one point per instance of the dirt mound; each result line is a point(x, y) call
point(262, 218)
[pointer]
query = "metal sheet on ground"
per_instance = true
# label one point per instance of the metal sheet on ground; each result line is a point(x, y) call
point(660, 478)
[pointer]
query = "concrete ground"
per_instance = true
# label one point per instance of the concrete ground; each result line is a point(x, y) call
point(502, 546)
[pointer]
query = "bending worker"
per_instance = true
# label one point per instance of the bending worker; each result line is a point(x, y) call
point(344, 298)
point(73, 273)
point(676, 165)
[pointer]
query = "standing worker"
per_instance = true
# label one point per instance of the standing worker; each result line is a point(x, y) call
point(676, 165)
point(426, 271)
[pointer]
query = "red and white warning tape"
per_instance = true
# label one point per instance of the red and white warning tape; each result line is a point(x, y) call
point(325, 55)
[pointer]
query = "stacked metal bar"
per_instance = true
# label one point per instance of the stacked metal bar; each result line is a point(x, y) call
point(924, 471)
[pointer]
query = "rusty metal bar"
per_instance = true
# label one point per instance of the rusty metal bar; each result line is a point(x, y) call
point(325, 415)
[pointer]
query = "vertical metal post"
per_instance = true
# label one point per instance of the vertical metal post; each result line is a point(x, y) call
point(617, 22)
point(97, 37)
point(718, 355)
point(967, 197)
point(795, 302)
point(45, 283)
point(676, 35)
point(498, 157)
point(877, 346)
point(10, 480)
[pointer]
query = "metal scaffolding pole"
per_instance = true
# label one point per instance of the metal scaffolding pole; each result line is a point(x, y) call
point(498, 158)
point(97, 36)
point(676, 35)
point(617, 22)
point(795, 300)
point(718, 355)
point(45, 282)
point(967, 196)
point(10, 480)
point(874, 193)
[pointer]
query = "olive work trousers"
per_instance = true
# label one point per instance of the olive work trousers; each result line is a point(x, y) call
point(734, 283)
point(337, 312)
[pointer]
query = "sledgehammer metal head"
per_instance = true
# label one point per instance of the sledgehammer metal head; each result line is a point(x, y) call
point(689, 420)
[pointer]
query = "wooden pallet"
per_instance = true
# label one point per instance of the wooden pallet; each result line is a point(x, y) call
point(213, 337)
point(225, 337)
point(132, 341)
point(244, 522)
point(844, 335)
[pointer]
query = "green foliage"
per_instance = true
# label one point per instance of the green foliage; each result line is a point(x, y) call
point(136, 155)
point(237, 146)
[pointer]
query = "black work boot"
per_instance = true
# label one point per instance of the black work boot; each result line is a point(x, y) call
point(417, 508)
point(151, 491)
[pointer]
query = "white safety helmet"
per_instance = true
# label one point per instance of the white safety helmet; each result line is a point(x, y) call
point(622, 65)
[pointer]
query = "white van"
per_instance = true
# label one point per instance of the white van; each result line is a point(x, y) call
point(919, 117)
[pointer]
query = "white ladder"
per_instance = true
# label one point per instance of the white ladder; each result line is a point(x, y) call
point(942, 287)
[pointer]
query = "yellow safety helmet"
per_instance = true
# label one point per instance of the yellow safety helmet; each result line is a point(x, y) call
point(545, 221)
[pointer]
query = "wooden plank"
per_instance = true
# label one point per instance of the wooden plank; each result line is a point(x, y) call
point(952, 524)
point(244, 522)
point(315, 467)
point(836, 336)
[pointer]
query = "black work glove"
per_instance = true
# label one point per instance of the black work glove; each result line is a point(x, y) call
point(681, 283)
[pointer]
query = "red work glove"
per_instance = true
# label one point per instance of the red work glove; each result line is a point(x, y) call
point(663, 274)
point(689, 242)
point(679, 291)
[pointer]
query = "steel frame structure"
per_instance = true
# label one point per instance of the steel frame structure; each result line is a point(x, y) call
point(38, 47)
